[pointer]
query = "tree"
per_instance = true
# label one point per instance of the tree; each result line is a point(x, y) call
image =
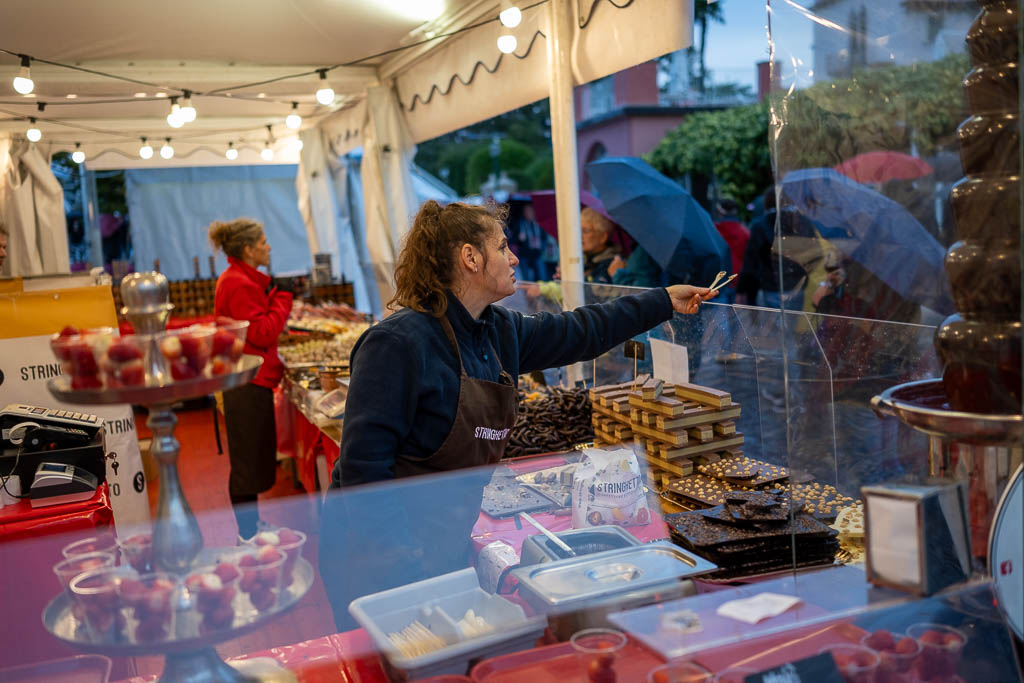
point(703, 11)
point(729, 145)
point(528, 126)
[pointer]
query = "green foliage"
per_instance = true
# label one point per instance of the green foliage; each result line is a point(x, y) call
point(730, 145)
point(528, 126)
point(876, 108)
point(513, 159)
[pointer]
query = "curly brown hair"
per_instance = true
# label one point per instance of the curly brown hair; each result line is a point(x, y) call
point(427, 264)
point(232, 237)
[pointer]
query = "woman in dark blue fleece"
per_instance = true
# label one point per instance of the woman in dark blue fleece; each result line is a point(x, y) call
point(433, 390)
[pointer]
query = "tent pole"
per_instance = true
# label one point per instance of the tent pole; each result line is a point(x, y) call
point(563, 143)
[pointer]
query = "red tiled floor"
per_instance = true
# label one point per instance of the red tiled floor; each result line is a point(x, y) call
point(204, 478)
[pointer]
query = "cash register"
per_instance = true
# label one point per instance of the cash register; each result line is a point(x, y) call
point(57, 454)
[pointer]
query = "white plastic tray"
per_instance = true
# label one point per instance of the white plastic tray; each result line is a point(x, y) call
point(439, 603)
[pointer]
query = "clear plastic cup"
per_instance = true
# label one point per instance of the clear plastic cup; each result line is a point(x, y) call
point(103, 543)
point(941, 648)
point(138, 552)
point(734, 675)
point(67, 569)
point(95, 594)
point(261, 576)
point(186, 351)
point(149, 599)
point(679, 672)
point(856, 663)
point(596, 650)
point(288, 541)
point(123, 363)
point(228, 345)
point(214, 593)
point(900, 657)
point(82, 354)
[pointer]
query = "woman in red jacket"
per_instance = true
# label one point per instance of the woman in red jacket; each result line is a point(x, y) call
point(244, 293)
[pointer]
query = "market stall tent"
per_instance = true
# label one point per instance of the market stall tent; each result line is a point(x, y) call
point(401, 71)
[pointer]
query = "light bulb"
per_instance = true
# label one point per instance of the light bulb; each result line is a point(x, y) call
point(34, 134)
point(78, 156)
point(297, 145)
point(231, 154)
point(146, 152)
point(511, 16)
point(267, 154)
point(325, 95)
point(187, 111)
point(23, 84)
point(167, 151)
point(507, 43)
point(293, 120)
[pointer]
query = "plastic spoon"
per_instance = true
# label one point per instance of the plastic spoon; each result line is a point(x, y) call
point(554, 539)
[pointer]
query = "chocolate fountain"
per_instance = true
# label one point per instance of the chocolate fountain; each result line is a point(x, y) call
point(973, 414)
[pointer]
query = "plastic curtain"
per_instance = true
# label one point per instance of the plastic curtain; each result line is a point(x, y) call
point(32, 212)
point(171, 208)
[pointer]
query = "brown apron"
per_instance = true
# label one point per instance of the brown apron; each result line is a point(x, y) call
point(358, 557)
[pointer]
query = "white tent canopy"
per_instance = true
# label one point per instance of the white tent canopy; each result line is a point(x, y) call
point(451, 75)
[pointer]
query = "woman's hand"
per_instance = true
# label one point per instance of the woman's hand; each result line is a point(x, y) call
point(616, 265)
point(686, 298)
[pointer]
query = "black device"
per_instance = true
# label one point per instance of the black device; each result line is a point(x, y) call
point(31, 435)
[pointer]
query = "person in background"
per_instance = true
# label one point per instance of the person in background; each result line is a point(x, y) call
point(733, 232)
point(245, 293)
point(3, 248)
point(598, 252)
point(531, 239)
point(760, 272)
point(639, 271)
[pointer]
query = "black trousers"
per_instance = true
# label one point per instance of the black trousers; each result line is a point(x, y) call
point(252, 439)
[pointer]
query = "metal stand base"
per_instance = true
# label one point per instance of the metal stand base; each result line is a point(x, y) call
point(199, 666)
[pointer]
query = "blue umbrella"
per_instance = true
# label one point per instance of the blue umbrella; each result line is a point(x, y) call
point(874, 231)
point(662, 217)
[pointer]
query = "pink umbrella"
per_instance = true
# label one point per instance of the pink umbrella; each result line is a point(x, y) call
point(881, 165)
point(545, 215)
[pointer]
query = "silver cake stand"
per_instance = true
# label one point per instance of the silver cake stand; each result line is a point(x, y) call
point(177, 541)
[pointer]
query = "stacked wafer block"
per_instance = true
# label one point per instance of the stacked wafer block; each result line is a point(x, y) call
point(675, 426)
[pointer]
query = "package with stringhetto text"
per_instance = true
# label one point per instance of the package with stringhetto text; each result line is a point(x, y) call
point(608, 489)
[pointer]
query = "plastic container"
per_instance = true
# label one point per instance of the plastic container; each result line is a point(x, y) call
point(186, 351)
point(138, 552)
point(288, 541)
point(69, 568)
point(679, 672)
point(95, 594)
point(596, 650)
point(82, 354)
point(261, 576)
point(893, 660)
point(856, 664)
point(227, 346)
point(941, 648)
point(214, 596)
point(149, 599)
point(438, 604)
point(105, 543)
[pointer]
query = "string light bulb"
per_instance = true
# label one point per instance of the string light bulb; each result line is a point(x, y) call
point(23, 84)
point(167, 151)
point(33, 134)
point(267, 153)
point(146, 152)
point(507, 43)
point(325, 95)
point(78, 156)
point(187, 111)
point(293, 120)
point(231, 152)
point(510, 16)
point(174, 119)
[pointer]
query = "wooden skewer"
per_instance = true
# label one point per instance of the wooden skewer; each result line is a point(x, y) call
point(718, 277)
point(724, 282)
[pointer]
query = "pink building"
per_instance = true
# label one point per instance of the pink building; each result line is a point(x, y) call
point(620, 115)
